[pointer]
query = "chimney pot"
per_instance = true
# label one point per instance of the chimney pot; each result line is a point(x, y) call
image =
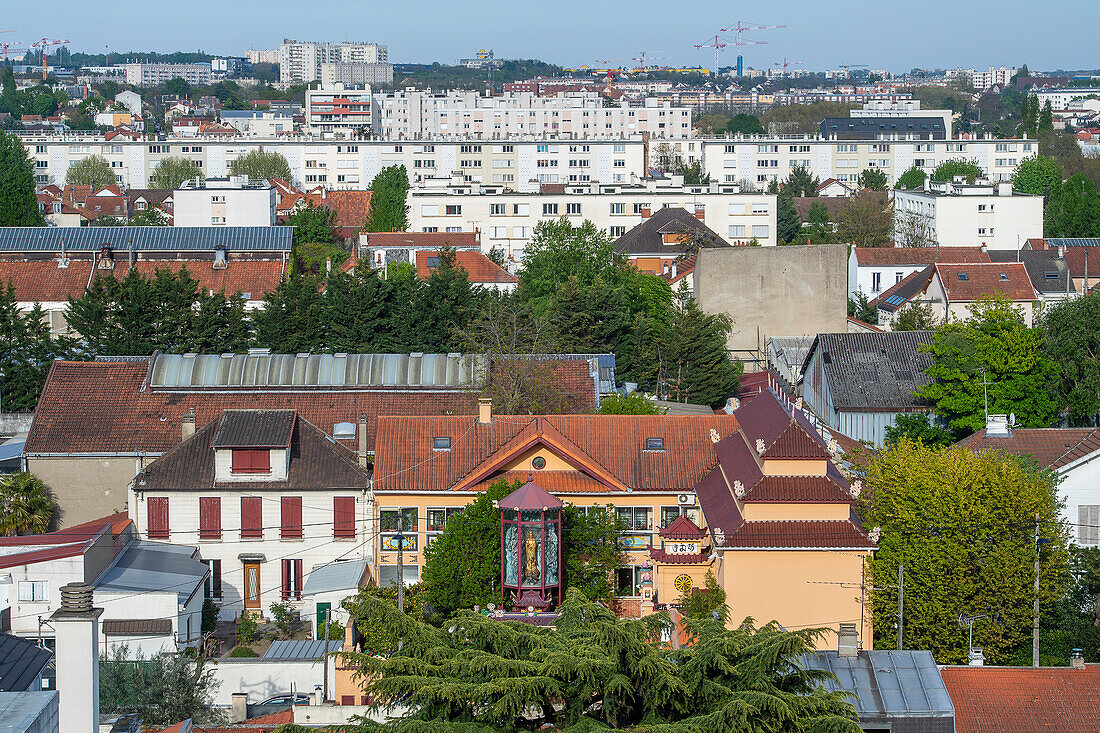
point(484, 411)
point(848, 645)
point(1076, 660)
point(362, 433)
point(187, 424)
point(976, 658)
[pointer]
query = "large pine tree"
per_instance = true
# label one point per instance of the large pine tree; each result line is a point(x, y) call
point(291, 320)
point(26, 352)
point(18, 204)
point(445, 304)
point(700, 369)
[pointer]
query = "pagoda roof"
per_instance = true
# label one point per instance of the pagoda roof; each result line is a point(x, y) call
point(530, 496)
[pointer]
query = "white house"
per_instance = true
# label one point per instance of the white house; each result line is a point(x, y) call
point(952, 289)
point(267, 497)
point(968, 215)
point(232, 202)
point(873, 270)
point(130, 100)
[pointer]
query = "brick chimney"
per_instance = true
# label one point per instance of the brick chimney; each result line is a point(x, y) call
point(646, 212)
point(76, 634)
point(187, 424)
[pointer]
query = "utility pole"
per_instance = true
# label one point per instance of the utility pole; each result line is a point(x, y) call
point(901, 606)
point(1035, 619)
point(400, 563)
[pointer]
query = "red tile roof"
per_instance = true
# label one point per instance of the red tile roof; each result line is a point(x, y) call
point(351, 207)
point(1050, 447)
point(1024, 700)
point(917, 256)
point(42, 281)
point(423, 240)
point(798, 489)
point(672, 559)
point(481, 269)
point(796, 442)
point(1078, 259)
point(983, 279)
point(681, 528)
point(802, 534)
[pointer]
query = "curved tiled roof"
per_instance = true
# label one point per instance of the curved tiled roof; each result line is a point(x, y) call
point(795, 442)
point(798, 489)
point(803, 534)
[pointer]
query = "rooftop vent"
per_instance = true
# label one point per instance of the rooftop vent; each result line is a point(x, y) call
point(997, 425)
point(848, 645)
point(219, 257)
point(76, 598)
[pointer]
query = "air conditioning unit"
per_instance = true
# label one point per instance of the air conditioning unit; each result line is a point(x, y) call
point(686, 499)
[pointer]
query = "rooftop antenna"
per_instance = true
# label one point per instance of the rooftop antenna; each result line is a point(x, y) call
point(985, 394)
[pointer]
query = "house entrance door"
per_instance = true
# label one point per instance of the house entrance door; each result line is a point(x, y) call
point(252, 586)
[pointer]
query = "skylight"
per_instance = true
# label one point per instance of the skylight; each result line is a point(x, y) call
point(654, 443)
point(441, 443)
point(963, 276)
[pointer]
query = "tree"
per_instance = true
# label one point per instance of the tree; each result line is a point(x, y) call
point(865, 220)
point(389, 209)
point(445, 304)
point(1072, 340)
point(1046, 117)
point(911, 180)
point(260, 165)
point(290, 321)
point(1073, 209)
point(873, 179)
point(694, 173)
point(993, 345)
point(558, 251)
point(701, 604)
point(860, 308)
point(914, 317)
point(788, 224)
point(949, 169)
point(1036, 174)
point(172, 172)
point(634, 403)
point(26, 506)
point(18, 203)
point(177, 87)
point(27, 350)
point(801, 182)
point(743, 124)
point(313, 224)
point(912, 230)
point(594, 671)
point(93, 171)
point(696, 363)
point(162, 690)
point(963, 525)
point(918, 426)
point(817, 217)
point(149, 217)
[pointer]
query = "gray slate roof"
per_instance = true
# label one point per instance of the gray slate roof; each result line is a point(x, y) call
point(648, 237)
point(301, 650)
point(887, 684)
point(335, 576)
point(21, 663)
point(873, 371)
point(254, 429)
point(145, 239)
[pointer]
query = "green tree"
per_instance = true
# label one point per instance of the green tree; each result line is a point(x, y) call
point(914, 317)
point(918, 426)
point(996, 346)
point(744, 124)
point(290, 321)
point(787, 222)
point(694, 173)
point(801, 182)
point(948, 169)
point(177, 86)
point(18, 203)
point(358, 312)
point(149, 217)
point(1046, 117)
point(698, 364)
point(820, 231)
point(1036, 174)
point(173, 171)
point(865, 220)
point(313, 224)
point(594, 671)
point(634, 403)
point(963, 525)
point(911, 180)
point(701, 604)
point(93, 171)
point(260, 165)
point(445, 305)
point(1073, 209)
point(558, 251)
point(1072, 341)
point(389, 209)
point(873, 179)
point(860, 308)
point(27, 350)
point(162, 690)
point(26, 505)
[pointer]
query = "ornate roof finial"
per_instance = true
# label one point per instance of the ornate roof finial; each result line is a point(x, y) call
point(833, 446)
point(714, 436)
point(855, 488)
point(760, 447)
point(719, 536)
point(874, 535)
point(738, 489)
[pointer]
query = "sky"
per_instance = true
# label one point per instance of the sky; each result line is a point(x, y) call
point(883, 34)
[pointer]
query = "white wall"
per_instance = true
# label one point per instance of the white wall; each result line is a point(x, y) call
point(1081, 486)
point(262, 679)
point(230, 207)
point(1002, 222)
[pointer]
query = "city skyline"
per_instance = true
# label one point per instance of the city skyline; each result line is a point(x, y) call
point(570, 33)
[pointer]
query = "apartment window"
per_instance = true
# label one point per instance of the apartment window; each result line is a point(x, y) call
point(616, 231)
point(157, 524)
point(210, 518)
point(637, 518)
point(618, 208)
point(619, 163)
point(454, 209)
point(761, 208)
point(628, 581)
point(498, 232)
point(437, 521)
point(252, 523)
point(33, 591)
point(497, 209)
point(292, 579)
point(521, 232)
point(670, 514)
point(573, 208)
point(507, 148)
point(387, 575)
point(212, 587)
point(737, 231)
point(290, 518)
point(251, 461)
point(767, 148)
point(41, 149)
point(388, 527)
point(343, 517)
point(760, 230)
point(46, 164)
point(731, 149)
point(549, 209)
point(898, 277)
point(217, 221)
point(469, 164)
point(876, 282)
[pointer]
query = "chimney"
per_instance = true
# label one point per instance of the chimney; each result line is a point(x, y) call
point(1076, 660)
point(219, 257)
point(975, 657)
point(700, 214)
point(848, 645)
point(76, 634)
point(646, 212)
point(484, 411)
point(106, 259)
point(362, 439)
point(239, 711)
point(187, 424)
point(997, 426)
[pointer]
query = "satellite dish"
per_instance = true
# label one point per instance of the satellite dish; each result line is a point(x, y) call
point(1012, 419)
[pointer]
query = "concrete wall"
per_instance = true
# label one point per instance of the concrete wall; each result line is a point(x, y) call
point(261, 679)
point(313, 715)
point(798, 290)
point(14, 423)
point(87, 488)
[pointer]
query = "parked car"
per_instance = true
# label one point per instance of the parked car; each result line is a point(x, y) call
point(287, 698)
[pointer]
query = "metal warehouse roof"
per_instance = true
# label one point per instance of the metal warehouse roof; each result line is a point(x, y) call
point(261, 369)
point(336, 576)
point(301, 650)
point(1073, 242)
point(887, 684)
point(145, 239)
point(873, 371)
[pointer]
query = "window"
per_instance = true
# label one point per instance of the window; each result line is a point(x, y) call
point(387, 575)
point(497, 209)
point(343, 517)
point(737, 231)
point(157, 507)
point(521, 232)
point(628, 581)
point(454, 209)
point(876, 282)
point(618, 208)
point(963, 276)
point(655, 444)
point(760, 230)
point(251, 461)
point(669, 514)
point(292, 579)
point(636, 519)
point(1088, 528)
point(760, 208)
point(388, 526)
point(212, 588)
point(898, 277)
point(210, 518)
point(549, 209)
point(616, 231)
point(521, 209)
point(33, 591)
point(498, 232)
point(442, 442)
point(252, 523)
point(573, 208)
point(290, 516)
point(437, 521)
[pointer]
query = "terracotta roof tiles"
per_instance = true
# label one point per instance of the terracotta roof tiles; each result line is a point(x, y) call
point(795, 442)
point(919, 256)
point(1024, 700)
point(805, 534)
point(673, 559)
point(351, 207)
point(972, 281)
point(1050, 447)
point(798, 489)
point(480, 268)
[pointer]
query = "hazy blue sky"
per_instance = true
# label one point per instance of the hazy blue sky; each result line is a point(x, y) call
point(887, 34)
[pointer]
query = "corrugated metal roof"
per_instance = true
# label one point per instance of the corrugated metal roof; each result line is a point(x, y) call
point(335, 576)
point(887, 684)
point(873, 371)
point(315, 370)
point(301, 650)
point(145, 239)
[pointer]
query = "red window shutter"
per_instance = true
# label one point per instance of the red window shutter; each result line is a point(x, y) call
point(297, 579)
point(251, 461)
point(347, 699)
point(210, 518)
point(158, 517)
point(291, 517)
point(343, 516)
point(286, 579)
point(252, 524)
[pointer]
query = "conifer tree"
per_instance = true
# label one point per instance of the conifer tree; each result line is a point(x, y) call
point(26, 352)
point(389, 211)
point(700, 368)
point(291, 320)
point(787, 222)
point(18, 204)
point(445, 304)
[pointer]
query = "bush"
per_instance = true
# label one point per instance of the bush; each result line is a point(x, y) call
point(286, 618)
point(242, 651)
point(246, 629)
point(335, 631)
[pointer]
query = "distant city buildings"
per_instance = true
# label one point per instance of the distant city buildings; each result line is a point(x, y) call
point(301, 62)
point(148, 75)
point(262, 56)
point(230, 66)
point(336, 108)
point(982, 80)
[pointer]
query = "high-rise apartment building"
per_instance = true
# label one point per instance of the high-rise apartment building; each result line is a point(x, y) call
point(147, 75)
point(301, 62)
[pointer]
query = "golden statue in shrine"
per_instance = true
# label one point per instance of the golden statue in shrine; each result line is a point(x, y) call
point(531, 557)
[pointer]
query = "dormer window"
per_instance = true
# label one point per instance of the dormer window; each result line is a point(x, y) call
point(441, 443)
point(655, 444)
point(251, 460)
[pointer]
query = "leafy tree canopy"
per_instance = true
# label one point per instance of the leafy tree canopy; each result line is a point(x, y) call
point(745, 124)
point(260, 165)
point(911, 180)
point(162, 690)
point(873, 179)
point(865, 220)
point(1037, 174)
point(948, 169)
point(93, 170)
point(801, 182)
point(559, 251)
point(314, 224)
point(914, 317)
point(1072, 340)
point(389, 210)
point(634, 403)
point(918, 427)
point(172, 172)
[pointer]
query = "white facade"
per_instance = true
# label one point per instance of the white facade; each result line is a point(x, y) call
point(756, 161)
point(147, 75)
point(1061, 98)
point(1080, 491)
point(224, 203)
point(356, 73)
point(337, 108)
point(985, 79)
point(955, 214)
point(130, 100)
point(507, 220)
point(260, 123)
point(301, 62)
point(412, 114)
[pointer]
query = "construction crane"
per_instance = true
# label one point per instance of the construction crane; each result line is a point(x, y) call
point(642, 57)
point(738, 41)
point(12, 46)
point(787, 63)
point(611, 70)
point(45, 44)
point(719, 43)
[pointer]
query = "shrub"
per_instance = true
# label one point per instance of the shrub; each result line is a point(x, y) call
point(246, 629)
point(242, 651)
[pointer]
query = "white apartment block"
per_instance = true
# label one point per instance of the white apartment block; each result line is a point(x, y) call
point(338, 164)
point(231, 202)
point(1063, 97)
point(985, 79)
point(982, 214)
point(412, 114)
point(148, 75)
point(338, 108)
point(301, 62)
point(507, 220)
point(755, 161)
point(263, 55)
point(356, 74)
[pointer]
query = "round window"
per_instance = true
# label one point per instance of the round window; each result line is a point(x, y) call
point(538, 462)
